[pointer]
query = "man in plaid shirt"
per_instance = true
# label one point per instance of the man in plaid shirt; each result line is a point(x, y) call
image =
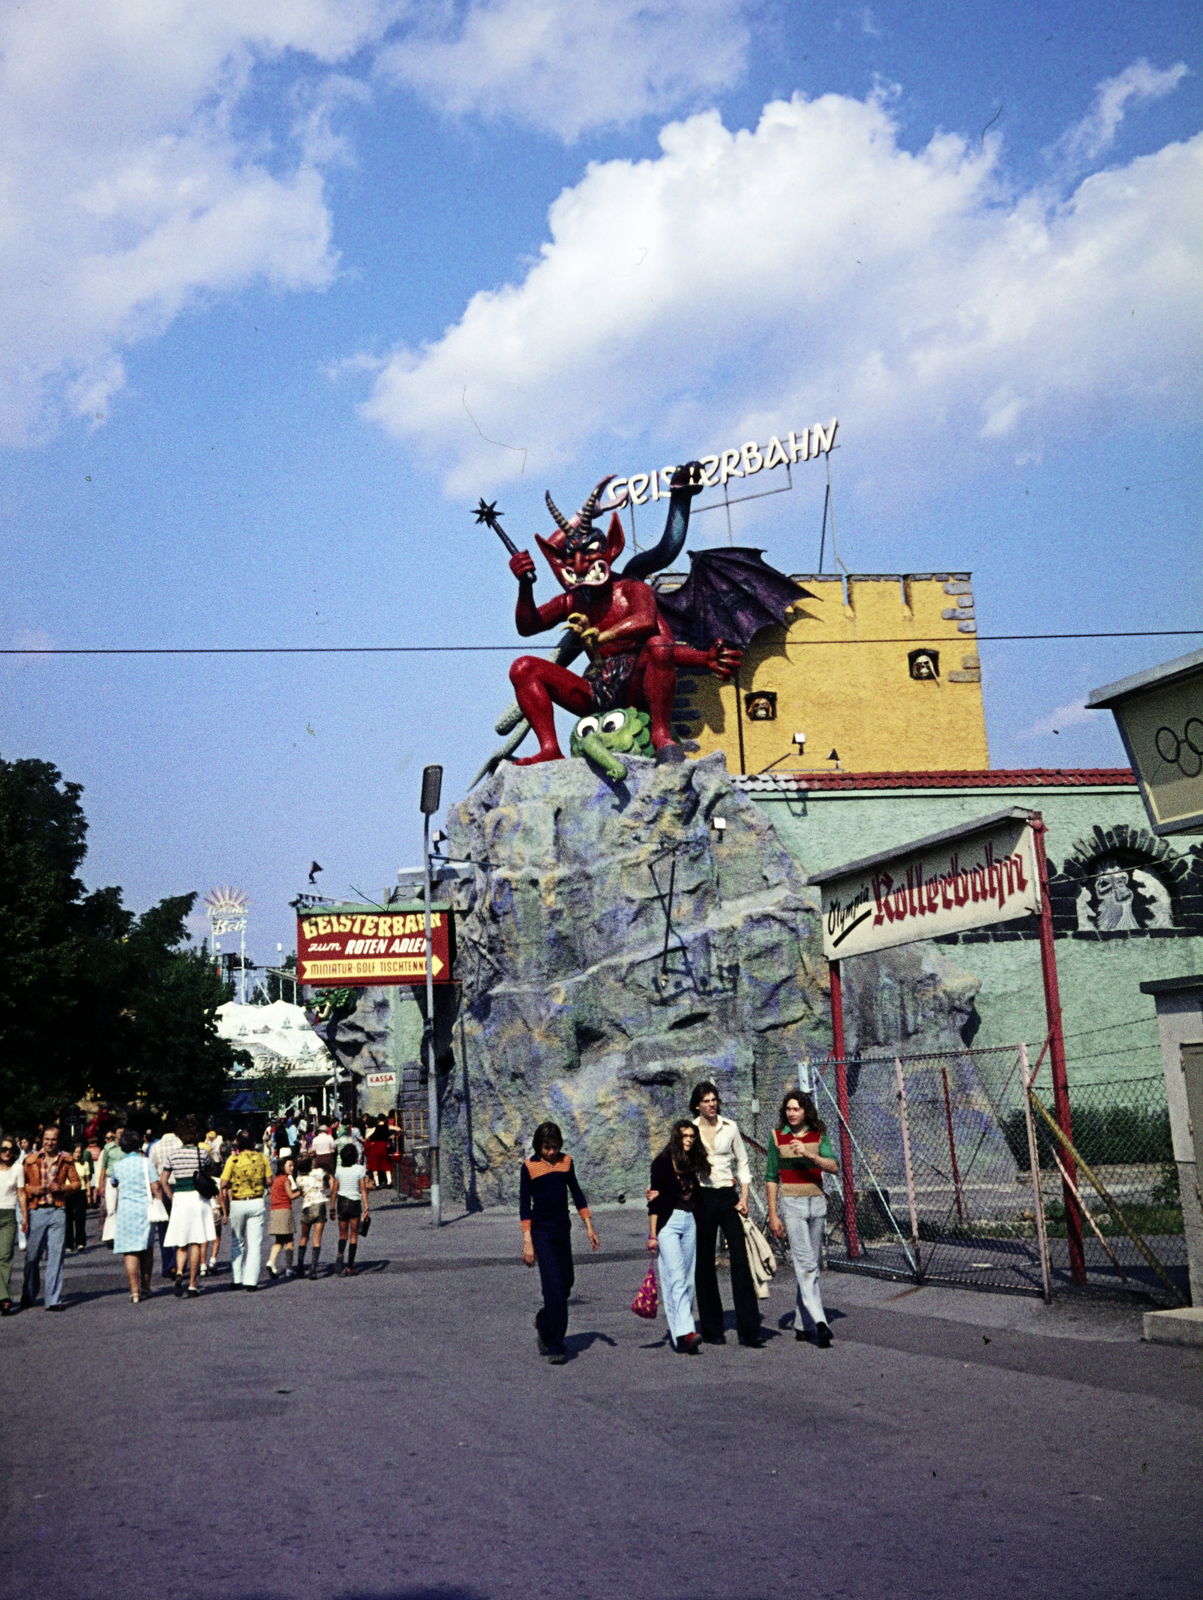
point(49, 1176)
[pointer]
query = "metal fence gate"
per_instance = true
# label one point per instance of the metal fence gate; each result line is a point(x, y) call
point(945, 1191)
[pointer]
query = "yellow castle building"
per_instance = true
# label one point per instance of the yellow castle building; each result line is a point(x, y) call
point(878, 672)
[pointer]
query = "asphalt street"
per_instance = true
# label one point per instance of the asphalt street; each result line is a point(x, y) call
point(397, 1435)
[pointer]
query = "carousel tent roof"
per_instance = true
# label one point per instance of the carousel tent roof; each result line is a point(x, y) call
point(276, 1032)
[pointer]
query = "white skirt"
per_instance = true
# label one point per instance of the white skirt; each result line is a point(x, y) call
point(191, 1220)
point(109, 1232)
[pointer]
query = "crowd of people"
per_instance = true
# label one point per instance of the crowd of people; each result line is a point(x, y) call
point(177, 1188)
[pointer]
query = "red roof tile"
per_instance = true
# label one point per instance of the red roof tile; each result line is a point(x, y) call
point(998, 778)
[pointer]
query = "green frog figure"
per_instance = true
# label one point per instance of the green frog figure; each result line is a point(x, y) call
point(599, 735)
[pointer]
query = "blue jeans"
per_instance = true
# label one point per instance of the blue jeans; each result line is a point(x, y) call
point(805, 1217)
point(677, 1259)
point(48, 1232)
point(246, 1241)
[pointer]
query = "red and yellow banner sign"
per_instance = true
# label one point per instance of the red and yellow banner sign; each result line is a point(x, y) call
point(350, 946)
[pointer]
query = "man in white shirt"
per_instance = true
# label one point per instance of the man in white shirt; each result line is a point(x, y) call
point(720, 1204)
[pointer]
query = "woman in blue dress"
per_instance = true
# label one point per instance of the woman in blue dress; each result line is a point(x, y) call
point(136, 1185)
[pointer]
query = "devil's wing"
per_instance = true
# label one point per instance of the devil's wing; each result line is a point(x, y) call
point(730, 595)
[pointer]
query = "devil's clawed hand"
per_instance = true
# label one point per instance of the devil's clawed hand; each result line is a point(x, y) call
point(522, 565)
point(584, 630)
point(723, 659)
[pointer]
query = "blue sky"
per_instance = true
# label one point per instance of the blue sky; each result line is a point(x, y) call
point(265, 287)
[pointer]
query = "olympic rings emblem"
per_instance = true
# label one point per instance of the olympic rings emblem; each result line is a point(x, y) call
point(1185, 753)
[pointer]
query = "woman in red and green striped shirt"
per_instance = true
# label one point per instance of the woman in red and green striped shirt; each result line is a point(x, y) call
point(799, 1154)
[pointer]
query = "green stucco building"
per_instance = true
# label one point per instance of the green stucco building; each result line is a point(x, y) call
point(1127, 906)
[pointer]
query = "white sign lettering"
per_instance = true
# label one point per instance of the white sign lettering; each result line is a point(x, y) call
point(743, 462)
point(967, 881)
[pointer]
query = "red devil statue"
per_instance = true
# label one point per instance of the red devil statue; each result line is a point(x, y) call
point(633, 656)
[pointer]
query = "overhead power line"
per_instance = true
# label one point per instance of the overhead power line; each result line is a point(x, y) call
point(457, 649)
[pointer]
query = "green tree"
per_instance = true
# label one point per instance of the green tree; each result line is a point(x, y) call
point(96, 999)
point(42, 844)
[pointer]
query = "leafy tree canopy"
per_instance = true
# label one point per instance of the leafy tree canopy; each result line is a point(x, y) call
point(94, 999)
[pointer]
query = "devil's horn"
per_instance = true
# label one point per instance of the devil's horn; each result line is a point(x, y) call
point(589, 510)
point(561, 520)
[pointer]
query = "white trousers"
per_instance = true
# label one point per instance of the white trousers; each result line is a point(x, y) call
point(805, 1217)
point(246, 1231)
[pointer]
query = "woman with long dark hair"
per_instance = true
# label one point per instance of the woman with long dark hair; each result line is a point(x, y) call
point(799, 1154)
point(547, 1180)
point(672, 1229)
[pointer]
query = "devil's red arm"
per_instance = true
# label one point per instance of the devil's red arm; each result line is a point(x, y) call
point(530, 618)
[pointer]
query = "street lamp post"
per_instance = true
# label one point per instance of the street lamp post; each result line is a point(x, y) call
point(432, 787)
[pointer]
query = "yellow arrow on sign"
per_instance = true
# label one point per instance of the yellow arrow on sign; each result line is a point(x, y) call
point(436, 966)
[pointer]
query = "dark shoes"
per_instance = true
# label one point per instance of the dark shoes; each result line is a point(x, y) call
point(708, 1338)
point(689, 1345)
point(5, 1307)
point(56, 1308)
point(179, 1288)
point(350, 1272)
point(193, 1294)
point(752, 1342)
point(557, 1357)
point(822, 1335)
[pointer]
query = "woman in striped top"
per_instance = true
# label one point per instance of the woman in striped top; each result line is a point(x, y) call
point(799, 1154)
point(191, 1228)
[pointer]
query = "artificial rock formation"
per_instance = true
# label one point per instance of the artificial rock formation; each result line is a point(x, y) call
point(570, 1009)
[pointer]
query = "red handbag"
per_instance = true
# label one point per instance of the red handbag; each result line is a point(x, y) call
point(647, 1302)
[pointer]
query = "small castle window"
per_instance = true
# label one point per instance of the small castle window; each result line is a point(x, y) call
point(761, 705)
point(924, 665)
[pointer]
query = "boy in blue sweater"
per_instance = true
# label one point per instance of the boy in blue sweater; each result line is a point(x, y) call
point(547, 1180)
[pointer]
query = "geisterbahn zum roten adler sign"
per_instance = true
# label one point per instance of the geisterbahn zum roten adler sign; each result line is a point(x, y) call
point(352, 945)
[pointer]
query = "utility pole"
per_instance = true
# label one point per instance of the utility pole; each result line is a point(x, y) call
point(432, 788)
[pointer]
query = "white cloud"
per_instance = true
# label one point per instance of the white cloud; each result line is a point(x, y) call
point(125, 192)
point(741, 282)
point(1088, 139)
point(566, 67)
point(137, 175)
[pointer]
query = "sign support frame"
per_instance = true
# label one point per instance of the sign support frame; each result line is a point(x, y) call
point(847, 1179)
point(1055, 1041)
point(1056, 1055)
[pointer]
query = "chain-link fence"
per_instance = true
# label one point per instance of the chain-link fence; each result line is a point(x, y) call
point(1121, 1131)
point(941, 1174)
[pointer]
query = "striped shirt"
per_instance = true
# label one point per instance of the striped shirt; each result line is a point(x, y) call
point(797, 1174)
point(182, 1165)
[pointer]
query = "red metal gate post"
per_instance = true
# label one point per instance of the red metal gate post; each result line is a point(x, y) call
point(1056, 1055)
point(851, 1233)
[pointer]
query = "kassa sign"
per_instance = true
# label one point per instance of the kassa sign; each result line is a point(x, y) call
point(346, 946)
